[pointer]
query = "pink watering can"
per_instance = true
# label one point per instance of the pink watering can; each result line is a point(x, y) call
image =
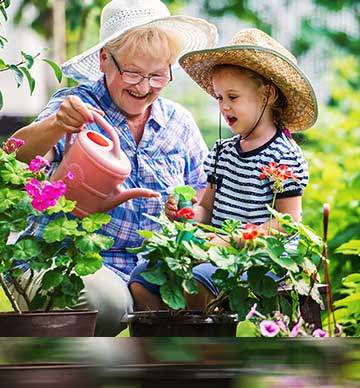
point(98, 168)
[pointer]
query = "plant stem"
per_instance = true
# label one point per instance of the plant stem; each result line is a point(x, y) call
point(7, 67)
point(211, 306)
point(271, 216)
point(9, 295)
point(21, 291)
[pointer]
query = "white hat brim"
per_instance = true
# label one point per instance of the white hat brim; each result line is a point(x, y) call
point(196, 34)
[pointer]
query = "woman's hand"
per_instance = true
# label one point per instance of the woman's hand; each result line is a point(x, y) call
point(73, 115)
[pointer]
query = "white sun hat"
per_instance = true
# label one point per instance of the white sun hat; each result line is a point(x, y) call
point(119, 16)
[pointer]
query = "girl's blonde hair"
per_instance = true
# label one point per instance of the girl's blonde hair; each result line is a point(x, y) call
point(279, 104)
point(154, 41)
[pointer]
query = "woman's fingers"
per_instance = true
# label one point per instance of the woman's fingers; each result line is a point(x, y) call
point(74, 114)
point(101, 112)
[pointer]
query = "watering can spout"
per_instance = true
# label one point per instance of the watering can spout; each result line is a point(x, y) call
point(126, 194)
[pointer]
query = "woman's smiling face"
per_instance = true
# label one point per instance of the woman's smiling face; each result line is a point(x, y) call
point(132, 100)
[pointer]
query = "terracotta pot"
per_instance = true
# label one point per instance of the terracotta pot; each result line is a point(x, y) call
point(181, 324)
point(66, 323)
point(47, 375)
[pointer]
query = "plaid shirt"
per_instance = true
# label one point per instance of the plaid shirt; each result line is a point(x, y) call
point(171, 152)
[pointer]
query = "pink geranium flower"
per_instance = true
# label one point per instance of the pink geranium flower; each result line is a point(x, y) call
point(38, 163)
point(12, 145)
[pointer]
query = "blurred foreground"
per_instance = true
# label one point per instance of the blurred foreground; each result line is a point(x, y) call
point(178, 362)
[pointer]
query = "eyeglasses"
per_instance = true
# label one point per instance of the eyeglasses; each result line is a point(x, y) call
point(131, 77)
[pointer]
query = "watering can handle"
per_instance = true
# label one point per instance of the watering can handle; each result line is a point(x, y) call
point(107, 128)
point(110, 131)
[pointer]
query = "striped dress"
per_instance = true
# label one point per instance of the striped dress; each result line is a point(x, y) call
point(240, 193)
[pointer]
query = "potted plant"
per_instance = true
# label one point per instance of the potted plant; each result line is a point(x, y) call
point(68, 250)
point(242, 274)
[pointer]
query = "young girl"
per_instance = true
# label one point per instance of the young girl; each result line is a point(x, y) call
point(263, 96)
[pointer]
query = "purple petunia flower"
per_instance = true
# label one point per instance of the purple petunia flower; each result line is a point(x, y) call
point(269, 328)
point(252, 312)
point(320, 333)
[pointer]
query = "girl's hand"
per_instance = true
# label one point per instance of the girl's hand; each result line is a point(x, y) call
point(73, 115)
point(171, 208)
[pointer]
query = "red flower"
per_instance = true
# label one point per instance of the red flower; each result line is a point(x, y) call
point(250, 232)
point(186, 212)
point(277, 174)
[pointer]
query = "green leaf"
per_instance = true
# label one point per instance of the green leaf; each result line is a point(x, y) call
point(38, 263)
point(3, 11)
point(306, 232)
point(220, 257)
point(94, 243)
point(304, 289)
point(261, 283)
point(72, 285)
point(181, 265)
point(51, 279)
point(59, 229)
point(38, 302)
point(186, 193)
point(19, 76)
point(145, 233)
point(29, 59)
point(237, 300)
point(247, 329)
point(1, 100)
point(26, 248)
point(190, 286)
point(351, 247)
point(195, 251)
point(276, 251)
point(56, 68)
point(172, 294)
point(94, 222)
point(88, 264)
point(3, 40)
point(30, 79)
point(62, 205)
point(351, 280)
point(154, 275)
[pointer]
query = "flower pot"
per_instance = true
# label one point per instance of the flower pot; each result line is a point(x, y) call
point(47, 375)
point(67, 323)
point(181, 324)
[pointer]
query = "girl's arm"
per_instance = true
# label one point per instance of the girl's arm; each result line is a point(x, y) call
point(290, 205)
point(204, 208)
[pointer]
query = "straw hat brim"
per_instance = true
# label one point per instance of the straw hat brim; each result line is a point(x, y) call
point(301, 110)
point(194, 32)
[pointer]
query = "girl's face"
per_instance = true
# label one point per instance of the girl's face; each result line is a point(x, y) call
point(240, 100)
point(132, 100)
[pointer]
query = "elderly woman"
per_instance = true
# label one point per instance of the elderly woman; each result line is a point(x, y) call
point(122, 78)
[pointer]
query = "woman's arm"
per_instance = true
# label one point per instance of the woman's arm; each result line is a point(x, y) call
point(41, 136)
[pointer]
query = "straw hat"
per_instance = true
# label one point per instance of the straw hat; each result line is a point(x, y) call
point(257, 51)
point(119, 16)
